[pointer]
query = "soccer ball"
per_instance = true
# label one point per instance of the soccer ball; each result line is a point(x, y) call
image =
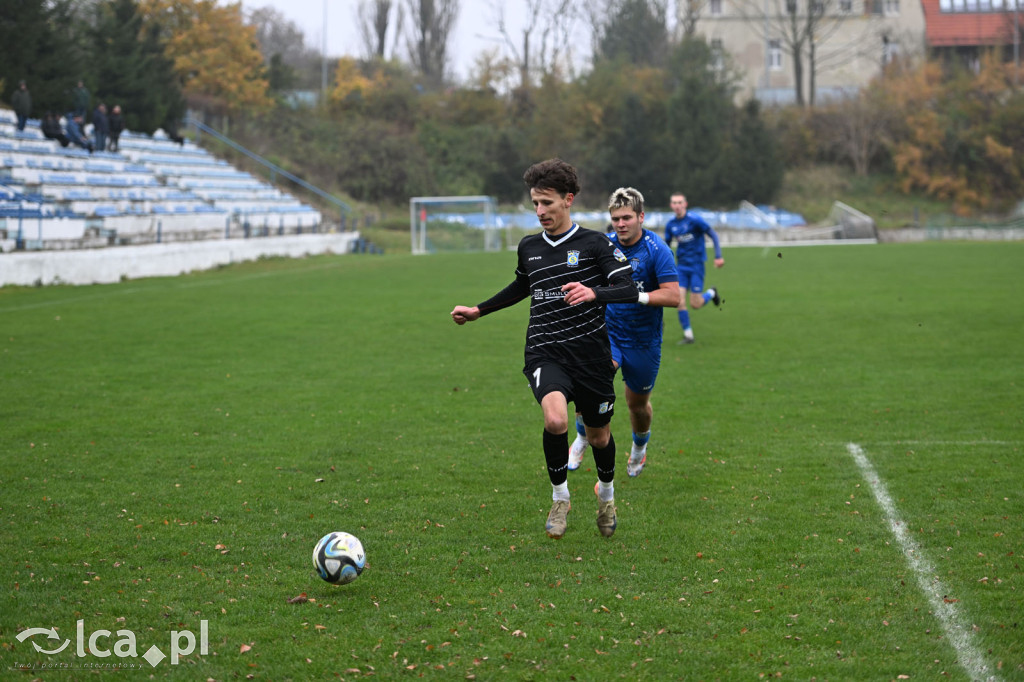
point(339, 557)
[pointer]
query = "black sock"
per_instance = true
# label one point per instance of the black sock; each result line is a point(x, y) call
point(556, 453)
point(604, 459)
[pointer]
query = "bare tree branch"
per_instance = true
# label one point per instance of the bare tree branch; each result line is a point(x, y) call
point(801, 29)
point(541, 45)
point(432, 23)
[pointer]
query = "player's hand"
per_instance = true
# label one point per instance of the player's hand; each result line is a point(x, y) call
point(576, 293)
point(461, 314)
point(719, 262)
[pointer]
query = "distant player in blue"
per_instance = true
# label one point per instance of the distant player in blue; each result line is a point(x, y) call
point(688, 232)
point(634, 329)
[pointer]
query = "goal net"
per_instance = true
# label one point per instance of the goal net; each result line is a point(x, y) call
point(849, 223)
point(451, 224)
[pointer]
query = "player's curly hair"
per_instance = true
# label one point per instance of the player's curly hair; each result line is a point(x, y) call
point(553, 174)
point(626, 197)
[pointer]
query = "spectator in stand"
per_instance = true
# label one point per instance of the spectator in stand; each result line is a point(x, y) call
point(22, 103)
point(50, 126)
point(100, 126)
point(74, 132)
point(80, 98)
point(116, 123)
point(171, 128)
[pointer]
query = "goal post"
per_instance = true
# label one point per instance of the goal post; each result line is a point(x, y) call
point(451, 224)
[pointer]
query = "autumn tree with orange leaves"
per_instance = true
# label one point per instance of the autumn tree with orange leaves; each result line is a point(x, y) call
point(215, 54)
point(959, 136)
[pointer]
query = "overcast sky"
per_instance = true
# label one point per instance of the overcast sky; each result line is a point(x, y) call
point(474, 31)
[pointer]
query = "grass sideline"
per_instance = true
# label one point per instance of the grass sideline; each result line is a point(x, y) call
point(174, 448)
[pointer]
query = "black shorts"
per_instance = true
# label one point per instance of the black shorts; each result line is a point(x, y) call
point(590, 387)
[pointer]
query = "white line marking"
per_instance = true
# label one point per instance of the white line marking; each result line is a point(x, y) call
point(969, 656)
point(949, 442)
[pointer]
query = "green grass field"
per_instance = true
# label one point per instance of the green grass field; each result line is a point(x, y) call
point(173, 449)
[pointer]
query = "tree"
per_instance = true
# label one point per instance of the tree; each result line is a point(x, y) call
point(41, 43)
point(801, 30)
point(504, 179)
point(276, 34)
point(431, 25)
point(376, 19)
point(543, 42)
point(960, 134)
point(624, 120)
point(859, 128)
point(634, 31)
point(215, 55)
point(700, 122)
point(690, 14)
point(131, 69)
point(755, 167)
point(296, 65)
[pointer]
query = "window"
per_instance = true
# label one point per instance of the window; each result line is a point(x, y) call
point(890, 50)
point(892, 7)
point(845, 6)
point(716, 7)
point(949, 6)
point(775, 55)
point(717, 50)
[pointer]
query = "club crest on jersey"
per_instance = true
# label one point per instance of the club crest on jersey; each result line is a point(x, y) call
point(635, 263)
point(619, 256)
point(605, 407)
point(574, 259)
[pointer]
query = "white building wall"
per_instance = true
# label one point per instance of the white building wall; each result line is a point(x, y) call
point(850, 50)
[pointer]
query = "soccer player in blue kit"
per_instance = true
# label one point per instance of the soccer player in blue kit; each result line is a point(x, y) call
point(688, 231)
point(635, 330)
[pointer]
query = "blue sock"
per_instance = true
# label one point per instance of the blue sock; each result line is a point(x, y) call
point(684, 319)
point(708, 296)
point(640, 439)
point(579, 426)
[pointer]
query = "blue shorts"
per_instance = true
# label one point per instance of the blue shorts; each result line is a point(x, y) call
point(691, 280)
point(639, 367)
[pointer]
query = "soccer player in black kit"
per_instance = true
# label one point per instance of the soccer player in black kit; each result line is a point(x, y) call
point(569, 273)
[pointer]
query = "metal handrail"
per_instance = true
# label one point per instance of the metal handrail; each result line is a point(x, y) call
point(344, 208)
point(22, 198)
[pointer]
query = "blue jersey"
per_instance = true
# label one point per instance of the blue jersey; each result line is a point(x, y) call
point(631, 325)
point(689, 232)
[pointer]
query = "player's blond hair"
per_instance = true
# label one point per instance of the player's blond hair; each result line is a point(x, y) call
point(626, 196)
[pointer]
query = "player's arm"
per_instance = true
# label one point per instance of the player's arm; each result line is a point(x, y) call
point(516, 291)
point(719, 261)
point(666, 295)
point(620, 289)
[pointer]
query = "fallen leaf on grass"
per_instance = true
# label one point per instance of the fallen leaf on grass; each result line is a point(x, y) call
point(298, 599)
point(245, 647)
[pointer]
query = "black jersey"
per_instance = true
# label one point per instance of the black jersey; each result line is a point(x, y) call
point(573, 335)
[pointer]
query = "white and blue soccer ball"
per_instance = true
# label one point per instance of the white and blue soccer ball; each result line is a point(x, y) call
point(339, 557)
